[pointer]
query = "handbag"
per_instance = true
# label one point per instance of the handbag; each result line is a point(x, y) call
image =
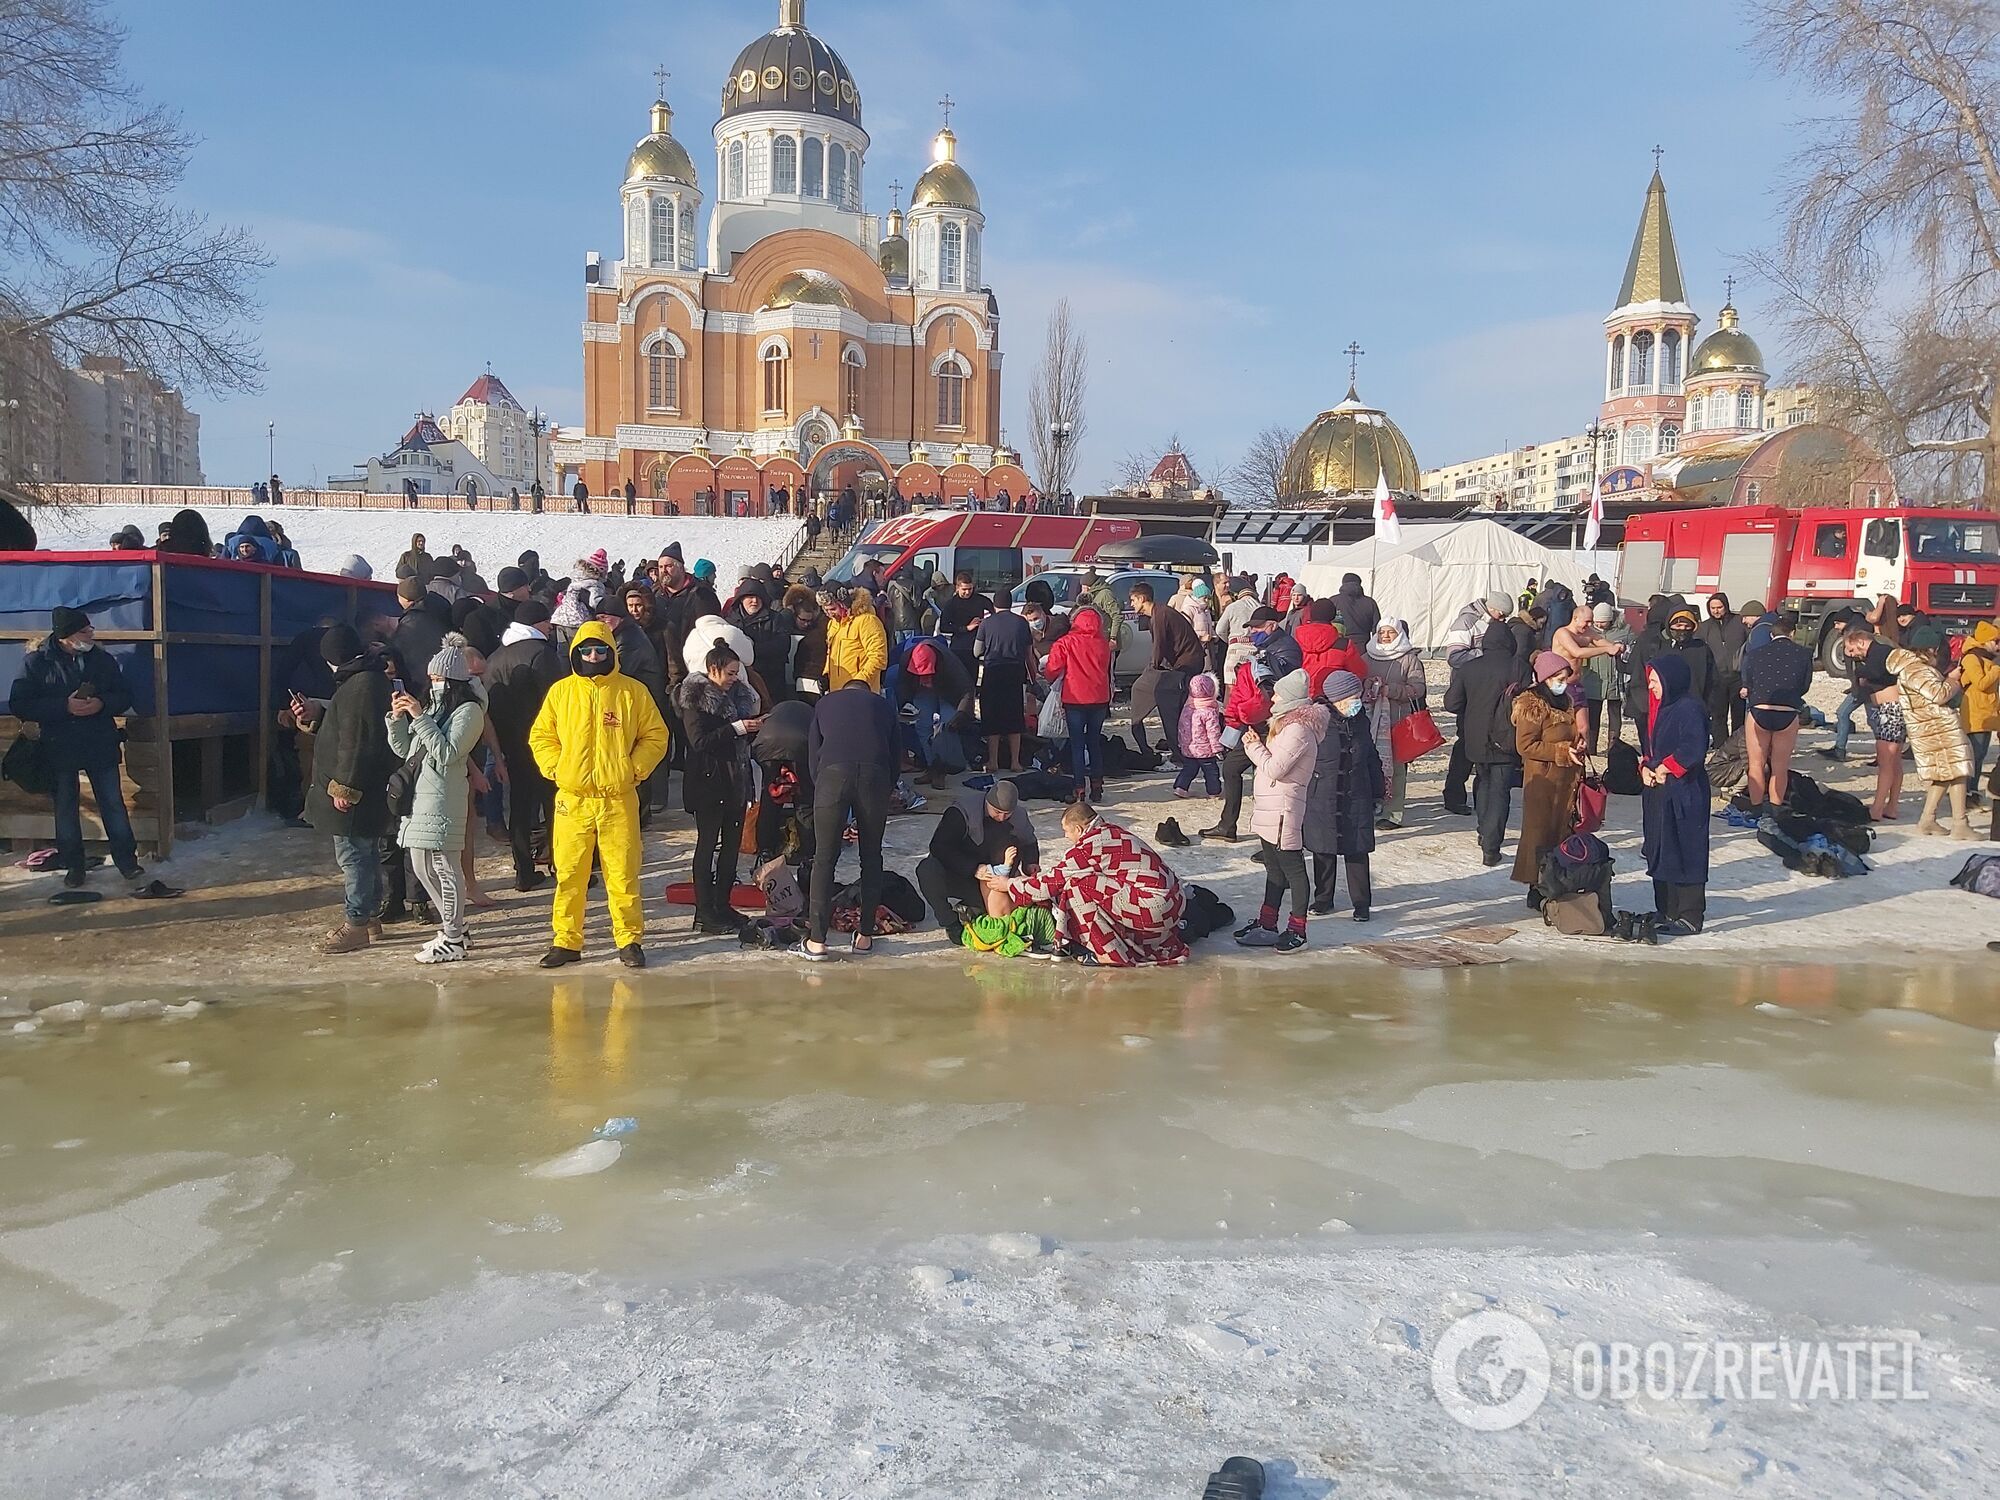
point(401, 792)
point(1053, 722)
point(26, 764)
point(1413, 736)
point(747, 844)
point(1592, 802)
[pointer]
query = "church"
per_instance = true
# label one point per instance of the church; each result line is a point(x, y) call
point(798, 343)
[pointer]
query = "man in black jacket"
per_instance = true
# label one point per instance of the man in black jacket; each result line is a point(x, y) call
point(418, 636)
point(1482, 696)
point(75, 692)
point(971, 835)
point(518, 677)
point(770, 632)
point(852, 750)
point(348, 797)
point(1681, 637)
point(1177, 655)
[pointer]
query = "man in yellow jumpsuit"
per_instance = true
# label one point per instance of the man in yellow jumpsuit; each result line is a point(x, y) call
point(598, 736)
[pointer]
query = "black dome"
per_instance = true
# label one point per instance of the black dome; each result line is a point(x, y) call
point(791, 69)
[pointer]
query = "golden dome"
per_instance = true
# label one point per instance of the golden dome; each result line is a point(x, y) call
point(659, 157)
point(945, 184)
point(810, 287)
point(1345, 448)
point(1728, 350)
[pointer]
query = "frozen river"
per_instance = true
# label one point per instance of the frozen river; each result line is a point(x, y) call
point(963, 1229)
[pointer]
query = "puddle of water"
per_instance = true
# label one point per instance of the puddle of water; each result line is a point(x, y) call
point(278, 1165)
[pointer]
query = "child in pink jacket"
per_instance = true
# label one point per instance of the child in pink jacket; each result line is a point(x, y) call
point(1201, 739)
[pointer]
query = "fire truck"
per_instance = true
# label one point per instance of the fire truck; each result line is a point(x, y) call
point(999, 548)
point(1829, 564)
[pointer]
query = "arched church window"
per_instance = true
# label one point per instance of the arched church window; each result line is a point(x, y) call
point(836, 175)
point(784, 165)
point(1637, 441)
point(1618, 363)
point(635, 231)
point(664, 224)
point(1670, 358)
point(972, 281)
point(927, 255)
point(1697, 408)
point(851, 366)
point(777, 372)
point(951, 256)
point(1670, 438)
point(662, 353)
point(951, 377)
point(687, 236)
point(1642, 359)
point(1746, 407)
point(736, 169)
point(813, 184)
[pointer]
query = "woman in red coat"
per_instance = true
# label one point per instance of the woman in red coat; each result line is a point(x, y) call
point(1081, 661)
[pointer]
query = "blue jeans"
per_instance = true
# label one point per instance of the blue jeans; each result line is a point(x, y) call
point(1981, 743)
point(1842, 728)
point(928, 708)
point(360, 864)
point(1086, 742)
point(106, 787)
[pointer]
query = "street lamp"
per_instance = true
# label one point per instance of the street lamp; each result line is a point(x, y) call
point(270, 448)
point(12, 407)
point(538, 423)
point(1595, 437)
point(1060, 434)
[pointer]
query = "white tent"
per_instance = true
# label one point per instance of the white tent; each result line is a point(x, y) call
point(1435, 570)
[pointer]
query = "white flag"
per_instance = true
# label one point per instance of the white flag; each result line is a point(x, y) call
point(1387, 527)
point(1594, 527)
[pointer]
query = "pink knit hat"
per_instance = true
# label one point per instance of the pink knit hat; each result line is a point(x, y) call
point(1548, 664)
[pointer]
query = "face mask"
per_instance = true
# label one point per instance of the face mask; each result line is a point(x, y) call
point(594, 666)
point(1681, 635)
point(1558, 686)
point(1350, 708)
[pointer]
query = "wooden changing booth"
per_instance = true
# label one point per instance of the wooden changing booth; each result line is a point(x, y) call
point(206, 647)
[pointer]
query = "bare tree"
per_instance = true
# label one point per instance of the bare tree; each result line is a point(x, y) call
point(1888, 271)
point(1056, 401)
point(1258, 477)
point(94, 255)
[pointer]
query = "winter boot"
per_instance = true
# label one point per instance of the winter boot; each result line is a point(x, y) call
point(1237, 1479)
point(1649, 929)
point(556, 957)
point(632, 956)
point(344, 939)
point(1624, 926)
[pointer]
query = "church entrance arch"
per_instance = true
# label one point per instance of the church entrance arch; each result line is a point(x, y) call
point(848, 465)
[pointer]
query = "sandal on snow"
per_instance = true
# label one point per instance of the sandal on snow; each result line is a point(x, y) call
point(74, 898)
point(156, 890)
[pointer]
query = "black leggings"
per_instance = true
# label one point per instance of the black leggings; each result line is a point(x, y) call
point(718, 835)
point(1285, 870)
point(1360, 889)
point(839, 791)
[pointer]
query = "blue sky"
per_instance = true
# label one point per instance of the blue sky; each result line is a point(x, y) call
point(1228, 193)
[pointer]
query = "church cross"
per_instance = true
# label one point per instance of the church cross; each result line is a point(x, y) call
point(1658, 152)
point(660, 77)
point(896, 195)
point(946, 104)
point(815, 345)
point(1729, 289)
point(1353, 351)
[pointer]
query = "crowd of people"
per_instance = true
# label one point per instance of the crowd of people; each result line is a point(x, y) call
point(553, 711)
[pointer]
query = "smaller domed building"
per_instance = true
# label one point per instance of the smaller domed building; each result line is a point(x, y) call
point(1343, 452)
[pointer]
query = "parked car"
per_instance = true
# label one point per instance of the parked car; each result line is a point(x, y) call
point(1065, 580)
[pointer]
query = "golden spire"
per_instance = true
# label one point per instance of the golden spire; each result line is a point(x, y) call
point(663, 117)
point(945, 147)
point(1653, 273)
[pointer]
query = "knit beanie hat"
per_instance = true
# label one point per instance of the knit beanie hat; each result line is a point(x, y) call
point(354, 565)
point(510, 579)
point(673, 550)
point(703, 569)
point(599, 560)
point(1499, 604)
point(1322, 611)
point(1293, 690)
point(339, 645)
point(65, 622)
point(923, 659)
point(410, 590)
point(1340, 686)
point(1003, 796)
point(1548, 664)
point(451, 662)
point(1604, 614)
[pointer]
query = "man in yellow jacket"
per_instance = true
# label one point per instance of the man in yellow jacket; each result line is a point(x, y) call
point(598, 736)
point(857, 645)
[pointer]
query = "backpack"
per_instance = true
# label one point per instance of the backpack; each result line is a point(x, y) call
point(1980, 875)
point(1581, 915)
point(1203, 912)
point(1621, 770)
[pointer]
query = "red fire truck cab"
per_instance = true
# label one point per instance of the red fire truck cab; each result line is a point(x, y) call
point(999, 548)
point(1826, 563)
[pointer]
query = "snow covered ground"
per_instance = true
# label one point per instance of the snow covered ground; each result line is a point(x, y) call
point(494, 538)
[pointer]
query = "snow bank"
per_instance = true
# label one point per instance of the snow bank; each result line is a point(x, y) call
point(495, 538)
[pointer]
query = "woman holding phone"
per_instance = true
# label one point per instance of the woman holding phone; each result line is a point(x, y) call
point(443, 734)
point(719, 710)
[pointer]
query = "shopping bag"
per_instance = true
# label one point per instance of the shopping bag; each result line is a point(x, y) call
point(1592, 800)
point(1053, 724)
